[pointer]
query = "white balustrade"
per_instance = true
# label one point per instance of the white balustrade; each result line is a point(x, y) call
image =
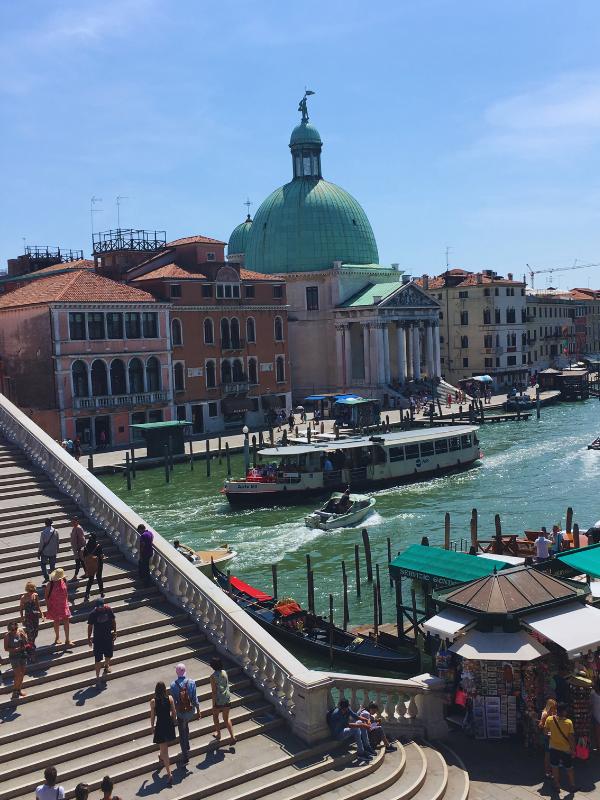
point(301, 695)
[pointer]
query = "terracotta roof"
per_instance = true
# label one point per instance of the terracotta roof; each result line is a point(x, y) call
point(585, 294)
point(195, 240)
point(80, 286)
point(80, 263)
point(170, 271)
point(469, 279)
point(250, 275)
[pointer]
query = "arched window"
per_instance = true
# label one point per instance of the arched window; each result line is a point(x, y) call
point(252, 371)
point(238, 370)
point(153, 374)
point(250, 330)
point(225, 335)
point(209, 331)
point(225, 372)
point(278, 329)
point(280, 369)
point(80, 379)
point(211, 377)
point(176, 332)
point(136, 376)
point(99, 379)
point(178, 377)
point(117, 377)
point(235, 333)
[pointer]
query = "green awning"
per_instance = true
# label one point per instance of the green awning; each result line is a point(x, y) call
point(150, 426)
point(442, 567)
point(583, 561)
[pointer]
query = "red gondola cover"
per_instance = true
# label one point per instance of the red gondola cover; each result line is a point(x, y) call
point(250, 590)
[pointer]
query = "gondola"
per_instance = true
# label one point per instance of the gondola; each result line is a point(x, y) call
point(285, 620)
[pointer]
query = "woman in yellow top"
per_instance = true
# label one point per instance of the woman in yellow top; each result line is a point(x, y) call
point(562, 745)
point(549, 711)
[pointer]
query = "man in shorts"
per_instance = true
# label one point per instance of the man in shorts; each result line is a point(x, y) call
point(102, 629)
point(562, 745)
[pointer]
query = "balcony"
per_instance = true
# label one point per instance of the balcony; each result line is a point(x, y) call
point(238, 344)
point(235, 387)
point(119, 401)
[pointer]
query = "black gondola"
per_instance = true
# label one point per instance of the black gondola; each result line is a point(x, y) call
point(313, 632)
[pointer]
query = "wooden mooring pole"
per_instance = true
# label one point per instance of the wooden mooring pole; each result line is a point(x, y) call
point(331, 630)
point(191, 457)
point(447, 531)
point(133, 470)
point(474, 528)
point(367, 546)
point(128, 471)
point(379, 604)
point(228, 459)
point(569, 525)
point(389, 558)
point(274, 574)
point(208, 458)
point(345, 588)
point(357, 568)
point(167, 471)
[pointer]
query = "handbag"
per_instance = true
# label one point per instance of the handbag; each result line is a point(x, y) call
point(90, 565)
point(582, 751)
point(460, 698)
point(47, 542)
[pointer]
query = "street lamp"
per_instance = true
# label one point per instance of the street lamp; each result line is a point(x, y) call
point(246, 431)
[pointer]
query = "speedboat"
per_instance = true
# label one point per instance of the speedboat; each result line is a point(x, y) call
point(328, 517)
point(203, 559)
point(519, 402)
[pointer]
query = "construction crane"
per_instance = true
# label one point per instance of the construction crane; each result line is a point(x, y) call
point(534, 272)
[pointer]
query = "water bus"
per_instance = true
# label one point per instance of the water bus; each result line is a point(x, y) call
point(290, 473)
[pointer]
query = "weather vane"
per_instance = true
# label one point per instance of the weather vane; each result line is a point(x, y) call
point(302, 105)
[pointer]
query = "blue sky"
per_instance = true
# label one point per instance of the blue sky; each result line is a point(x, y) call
point(473, 124)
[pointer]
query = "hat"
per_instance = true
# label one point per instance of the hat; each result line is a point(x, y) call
point(58, 574)
point(99, 601)
point(180, 670)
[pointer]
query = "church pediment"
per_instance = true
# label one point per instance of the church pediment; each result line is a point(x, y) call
point(409, 295)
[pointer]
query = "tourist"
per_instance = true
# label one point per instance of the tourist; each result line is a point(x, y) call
point(562, 745)
point(183, 691)
point(31, 614)
point(82, 791)
point(595, 701)
point(557, 537)
point(106, 787)
point(162, 721)
point(48, 548)
point(57, 605)
point(77, 545)
point(93, 564)
point(146, 550)
point(449, 401)
point(77, 448)
point(291, 421)
point(48, 790)
point(376, 733)
point(344, 503)
point(15, 644)
point(542, 548)
point(102, 631)
point(549, 711)
point(221, 698)
point(345, 723)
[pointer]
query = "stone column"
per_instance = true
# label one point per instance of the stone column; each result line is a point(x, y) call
point(339, 355)
point(386, 354)
point(347, 355)
point(408, 332)
point(401, 347)
point(366, 352)
point(436, 351)
point(379, 353)
point(430, 360)
point(416, 352)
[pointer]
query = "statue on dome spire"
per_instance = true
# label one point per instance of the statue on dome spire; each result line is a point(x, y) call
point(302, 107)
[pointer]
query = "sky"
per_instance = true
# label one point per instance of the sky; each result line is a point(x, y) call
point(469, 126)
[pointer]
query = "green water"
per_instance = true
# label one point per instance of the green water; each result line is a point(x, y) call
point(530, 473)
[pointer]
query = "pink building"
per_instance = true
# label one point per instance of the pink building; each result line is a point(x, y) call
point(87, 356)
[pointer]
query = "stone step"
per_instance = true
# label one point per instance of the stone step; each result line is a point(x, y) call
point(26, 553)
point(12, 514)
point(458, 785)
point(124, 762)
point(118, 570)
point(436, 775)
point(51, 500)
point(140, 662)
point(412, 778)
point(23, 479)
point(29, 523)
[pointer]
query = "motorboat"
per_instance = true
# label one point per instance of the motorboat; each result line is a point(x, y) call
point(285, 620)
point(203, 559)
point(287, 474)
point(330, 516)
point(518, 402)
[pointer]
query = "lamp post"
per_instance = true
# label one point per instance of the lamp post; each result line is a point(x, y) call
point(537, 400)
point(246, 431)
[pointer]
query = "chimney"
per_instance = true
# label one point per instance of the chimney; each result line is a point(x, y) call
point(510, 276)
point(425, 280)
point(405, 279)
point(479, 278)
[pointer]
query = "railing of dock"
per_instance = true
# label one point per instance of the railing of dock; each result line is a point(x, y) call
point(301, 695)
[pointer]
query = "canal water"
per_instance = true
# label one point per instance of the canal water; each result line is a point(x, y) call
point(530, 472)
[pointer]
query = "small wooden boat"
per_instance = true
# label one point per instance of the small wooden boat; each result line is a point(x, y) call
point(287, 621)
point(202, 559)
point(329, 517)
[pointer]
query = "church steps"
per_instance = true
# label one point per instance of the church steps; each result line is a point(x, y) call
point(26, 556)
point(123, 762)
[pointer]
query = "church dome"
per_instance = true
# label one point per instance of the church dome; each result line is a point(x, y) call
point(309, 223)
point(238, 241)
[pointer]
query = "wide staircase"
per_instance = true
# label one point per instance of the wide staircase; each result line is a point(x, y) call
point(88, 731)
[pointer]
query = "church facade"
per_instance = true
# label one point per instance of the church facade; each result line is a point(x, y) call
point(354, 325)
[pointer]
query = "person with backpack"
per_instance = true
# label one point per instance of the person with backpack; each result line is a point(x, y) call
point(562, 745)
point(183, 692)
point(48, 548)
point(93, 564)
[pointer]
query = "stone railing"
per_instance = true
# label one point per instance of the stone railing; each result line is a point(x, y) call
point(301, 695)
point(120, 400)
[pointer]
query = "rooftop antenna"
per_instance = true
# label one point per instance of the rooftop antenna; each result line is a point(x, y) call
point(248, 203)
point(93, 201)
point(24, 242)
point(448, 248)
point(119, 198)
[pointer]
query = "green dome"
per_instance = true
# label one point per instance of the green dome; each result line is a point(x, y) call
point(306, 225)
point(238, 241)
point(305, 133)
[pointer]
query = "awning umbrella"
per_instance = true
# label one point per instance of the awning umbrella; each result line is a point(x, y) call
point(483, 378)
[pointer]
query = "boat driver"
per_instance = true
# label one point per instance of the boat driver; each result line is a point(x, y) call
point(344, 502)
point(185, 551)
